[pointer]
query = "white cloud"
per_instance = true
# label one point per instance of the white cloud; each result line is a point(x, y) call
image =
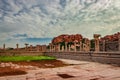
point(45, 18)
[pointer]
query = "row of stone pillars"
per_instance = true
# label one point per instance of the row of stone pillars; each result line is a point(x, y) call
point(66, 47)
point(83, 46)
point(38, 47)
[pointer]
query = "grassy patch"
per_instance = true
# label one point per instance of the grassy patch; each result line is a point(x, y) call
point(24, 58)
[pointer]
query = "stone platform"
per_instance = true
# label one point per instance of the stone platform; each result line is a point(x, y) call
point(78, 70)
point(101, 57)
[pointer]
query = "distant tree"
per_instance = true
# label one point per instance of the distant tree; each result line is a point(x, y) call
point(92, 42)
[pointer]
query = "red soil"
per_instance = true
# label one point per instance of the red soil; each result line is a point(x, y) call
point(8, 71)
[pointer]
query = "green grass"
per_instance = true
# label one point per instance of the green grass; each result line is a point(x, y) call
point(24, 58)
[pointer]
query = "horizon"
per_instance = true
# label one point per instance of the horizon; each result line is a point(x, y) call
point(39, 21)
point(49, 41)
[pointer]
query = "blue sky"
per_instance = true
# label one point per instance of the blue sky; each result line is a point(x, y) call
point(38, 21)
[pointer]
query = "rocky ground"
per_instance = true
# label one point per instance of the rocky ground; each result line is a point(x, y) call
point(78, 70)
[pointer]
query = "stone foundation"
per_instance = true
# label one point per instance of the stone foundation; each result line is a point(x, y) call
point(20, 53)
point(102, 57)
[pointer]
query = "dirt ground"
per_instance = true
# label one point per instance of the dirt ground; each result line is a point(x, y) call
point(7, 71)
point(23, 66)
point(76, 70)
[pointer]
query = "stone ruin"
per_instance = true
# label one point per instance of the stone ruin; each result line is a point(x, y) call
point(70, 43)
point(110, 42)
point(76, 43)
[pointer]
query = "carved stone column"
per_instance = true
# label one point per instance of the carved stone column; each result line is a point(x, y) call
point(62, 48)
point(69, 47)
point(75, 47)
point(84, 47)
point(96, 38)
point(58, 47)
point(81, 48)
point(53, 47)
point(65, 46)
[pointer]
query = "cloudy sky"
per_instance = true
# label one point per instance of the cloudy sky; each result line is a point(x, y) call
point(38, 21)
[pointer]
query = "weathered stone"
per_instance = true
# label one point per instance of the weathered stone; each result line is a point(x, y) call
point(96, 38)
point(67, 38)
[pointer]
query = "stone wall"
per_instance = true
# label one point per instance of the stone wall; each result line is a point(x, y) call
point(102, 57)
point(109, 46)
point(20, 53)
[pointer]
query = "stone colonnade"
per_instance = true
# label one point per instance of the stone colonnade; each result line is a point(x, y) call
point(29, 48)
point(76, 46)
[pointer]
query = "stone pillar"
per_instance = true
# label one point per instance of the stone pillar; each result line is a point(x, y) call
point(75, 47)
point(65, 46)
point(58, 47)
point(62, 48)
point(3, 46)
point(51, 47)
point(81, 46)
point(54, 47)
point(17, 46)
point(97, 45)
point(96, 38)
point(84, 45)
